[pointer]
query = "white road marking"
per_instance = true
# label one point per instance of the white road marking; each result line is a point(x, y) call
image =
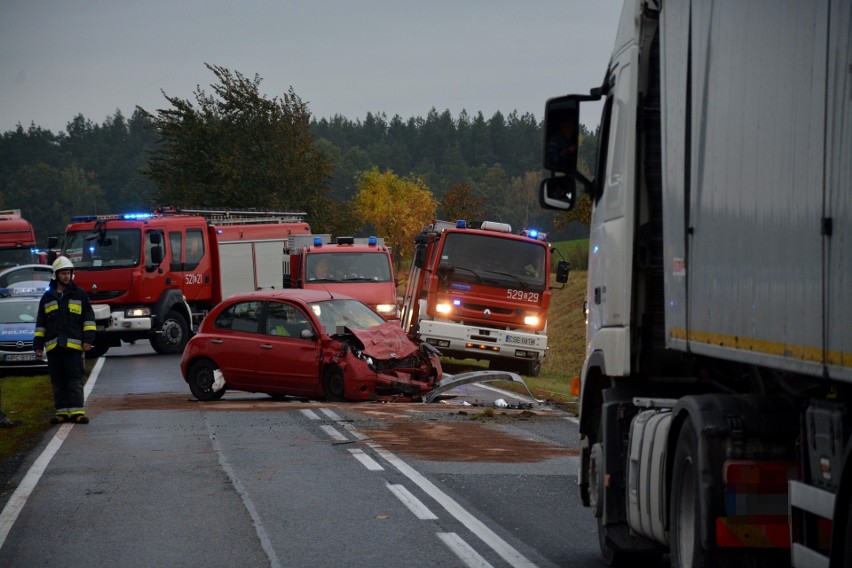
point(366, 460)
point(335, 435)
point(330, 413)
point(414, 504)
point(463, 550)
point(474, 525)
point(19, 498)
point(310, 414)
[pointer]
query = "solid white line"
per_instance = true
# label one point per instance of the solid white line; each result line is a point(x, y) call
point(477, 527)
point(330, 413)
point(310, 414)
point(463, 550)
point(25, 488)
point(334, 433)
point(414, 504)
point(366, 460)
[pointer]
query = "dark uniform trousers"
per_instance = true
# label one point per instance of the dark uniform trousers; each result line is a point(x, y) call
point(66, 375)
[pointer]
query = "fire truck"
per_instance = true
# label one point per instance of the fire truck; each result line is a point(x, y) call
point(17, 240)
point(361, 267)
point(155, 275)
point(481, 292)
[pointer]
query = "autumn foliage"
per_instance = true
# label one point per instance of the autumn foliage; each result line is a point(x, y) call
point(397, 207)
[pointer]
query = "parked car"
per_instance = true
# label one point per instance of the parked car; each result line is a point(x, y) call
point(26, 278)
point(309, 343)
point(17, 328)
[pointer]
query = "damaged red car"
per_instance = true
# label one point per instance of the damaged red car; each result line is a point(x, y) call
point(306, 343)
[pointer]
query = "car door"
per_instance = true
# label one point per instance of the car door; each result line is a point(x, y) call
point(288, 363)
point(234, 342)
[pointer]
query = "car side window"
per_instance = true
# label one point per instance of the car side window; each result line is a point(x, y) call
point(242, 316)
point(285, 320)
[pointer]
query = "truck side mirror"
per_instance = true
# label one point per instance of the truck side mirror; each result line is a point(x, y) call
point(558, 193)
point(562, 269)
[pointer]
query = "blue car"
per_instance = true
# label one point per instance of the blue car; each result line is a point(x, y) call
point(21, 289)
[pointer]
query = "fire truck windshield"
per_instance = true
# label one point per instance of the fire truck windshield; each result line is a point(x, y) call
point(349, 267)
point(112, 248)
point(495, 260)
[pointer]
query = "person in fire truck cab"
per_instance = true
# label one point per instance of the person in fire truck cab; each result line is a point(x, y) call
point(65, 328)
point(321, 268)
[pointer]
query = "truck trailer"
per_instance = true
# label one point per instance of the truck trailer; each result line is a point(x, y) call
point(156, 275)
point(715, 394)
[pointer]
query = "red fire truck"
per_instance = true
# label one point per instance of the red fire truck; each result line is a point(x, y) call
point(481, 293)
point(17, 240)
point(361, 267)
point(155, 275)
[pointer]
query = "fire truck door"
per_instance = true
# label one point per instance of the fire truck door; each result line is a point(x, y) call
point(190, 263)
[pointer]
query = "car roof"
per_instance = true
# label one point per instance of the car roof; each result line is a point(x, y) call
point(299, 294)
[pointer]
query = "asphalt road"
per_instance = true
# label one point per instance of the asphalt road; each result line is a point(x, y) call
point(158, 478)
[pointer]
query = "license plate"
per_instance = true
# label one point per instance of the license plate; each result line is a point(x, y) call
point(20, 357)
point(516, 340)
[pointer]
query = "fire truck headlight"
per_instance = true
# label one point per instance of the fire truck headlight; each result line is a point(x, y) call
point(137, 312)
point(531, 320)
point(444, 308)
point(386, 308)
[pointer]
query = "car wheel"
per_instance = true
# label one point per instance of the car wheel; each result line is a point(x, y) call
point(333, 384)
point(201, 377)
point(173, 335)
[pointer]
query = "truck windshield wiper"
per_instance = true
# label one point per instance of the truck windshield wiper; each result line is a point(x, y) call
point(514, 277)
point(471, 270)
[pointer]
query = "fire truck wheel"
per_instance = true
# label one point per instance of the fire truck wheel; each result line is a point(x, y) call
point(174, 335)
point(333, 384)
point(533, 368)
point(201, 378)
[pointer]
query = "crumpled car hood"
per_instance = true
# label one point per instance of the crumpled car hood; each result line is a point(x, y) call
point(385, 341)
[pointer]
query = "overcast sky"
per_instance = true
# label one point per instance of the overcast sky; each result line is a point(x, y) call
point(61, 58)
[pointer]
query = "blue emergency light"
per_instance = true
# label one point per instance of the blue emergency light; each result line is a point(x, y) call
point(317, 241)
point(372, 241)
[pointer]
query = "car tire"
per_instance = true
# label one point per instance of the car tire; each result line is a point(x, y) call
point(333, 384)
point(200, 377)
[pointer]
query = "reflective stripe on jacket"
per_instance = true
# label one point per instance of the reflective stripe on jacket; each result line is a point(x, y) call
point(64, 319)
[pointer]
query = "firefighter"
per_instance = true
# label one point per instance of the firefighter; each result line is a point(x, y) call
point(65, 328)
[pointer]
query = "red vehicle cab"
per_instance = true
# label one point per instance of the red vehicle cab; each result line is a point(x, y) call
point(308, 343)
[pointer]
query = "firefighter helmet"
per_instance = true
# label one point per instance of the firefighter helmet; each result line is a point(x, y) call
point(61, 263)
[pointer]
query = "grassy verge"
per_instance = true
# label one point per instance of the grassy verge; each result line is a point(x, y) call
point(29, 399)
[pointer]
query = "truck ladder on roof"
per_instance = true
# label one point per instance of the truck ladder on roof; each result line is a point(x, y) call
point(237, 216)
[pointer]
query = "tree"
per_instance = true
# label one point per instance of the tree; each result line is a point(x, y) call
point(460, 203)
point(237, 148)
point(397, 207)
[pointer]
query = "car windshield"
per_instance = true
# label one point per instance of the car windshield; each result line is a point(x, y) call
point(336, 314)
point(113, 248)
point(17, 311)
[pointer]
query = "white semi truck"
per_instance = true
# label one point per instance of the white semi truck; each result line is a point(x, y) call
point(715, 396)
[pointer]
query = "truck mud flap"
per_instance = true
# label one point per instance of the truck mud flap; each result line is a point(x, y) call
point(449, 382)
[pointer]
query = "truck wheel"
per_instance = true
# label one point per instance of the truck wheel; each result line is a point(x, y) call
point(533, 368)
point(97, 350)
point(200, 377)
point(333, 384)
point(173, 336)
point(685, 513)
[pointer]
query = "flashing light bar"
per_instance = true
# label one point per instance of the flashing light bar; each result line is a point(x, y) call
point(121, 217)
point(461, 224)
point(496, 227)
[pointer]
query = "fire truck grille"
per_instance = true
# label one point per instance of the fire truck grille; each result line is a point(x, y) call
point(16, 346)
point(494, 310)
point(106, 295)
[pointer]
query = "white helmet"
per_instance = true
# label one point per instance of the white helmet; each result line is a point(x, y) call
point(61, 263)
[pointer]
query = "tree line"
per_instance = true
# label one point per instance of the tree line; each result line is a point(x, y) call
point(236, 148)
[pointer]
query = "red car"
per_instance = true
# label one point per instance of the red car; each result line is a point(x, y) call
point(308, 343)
